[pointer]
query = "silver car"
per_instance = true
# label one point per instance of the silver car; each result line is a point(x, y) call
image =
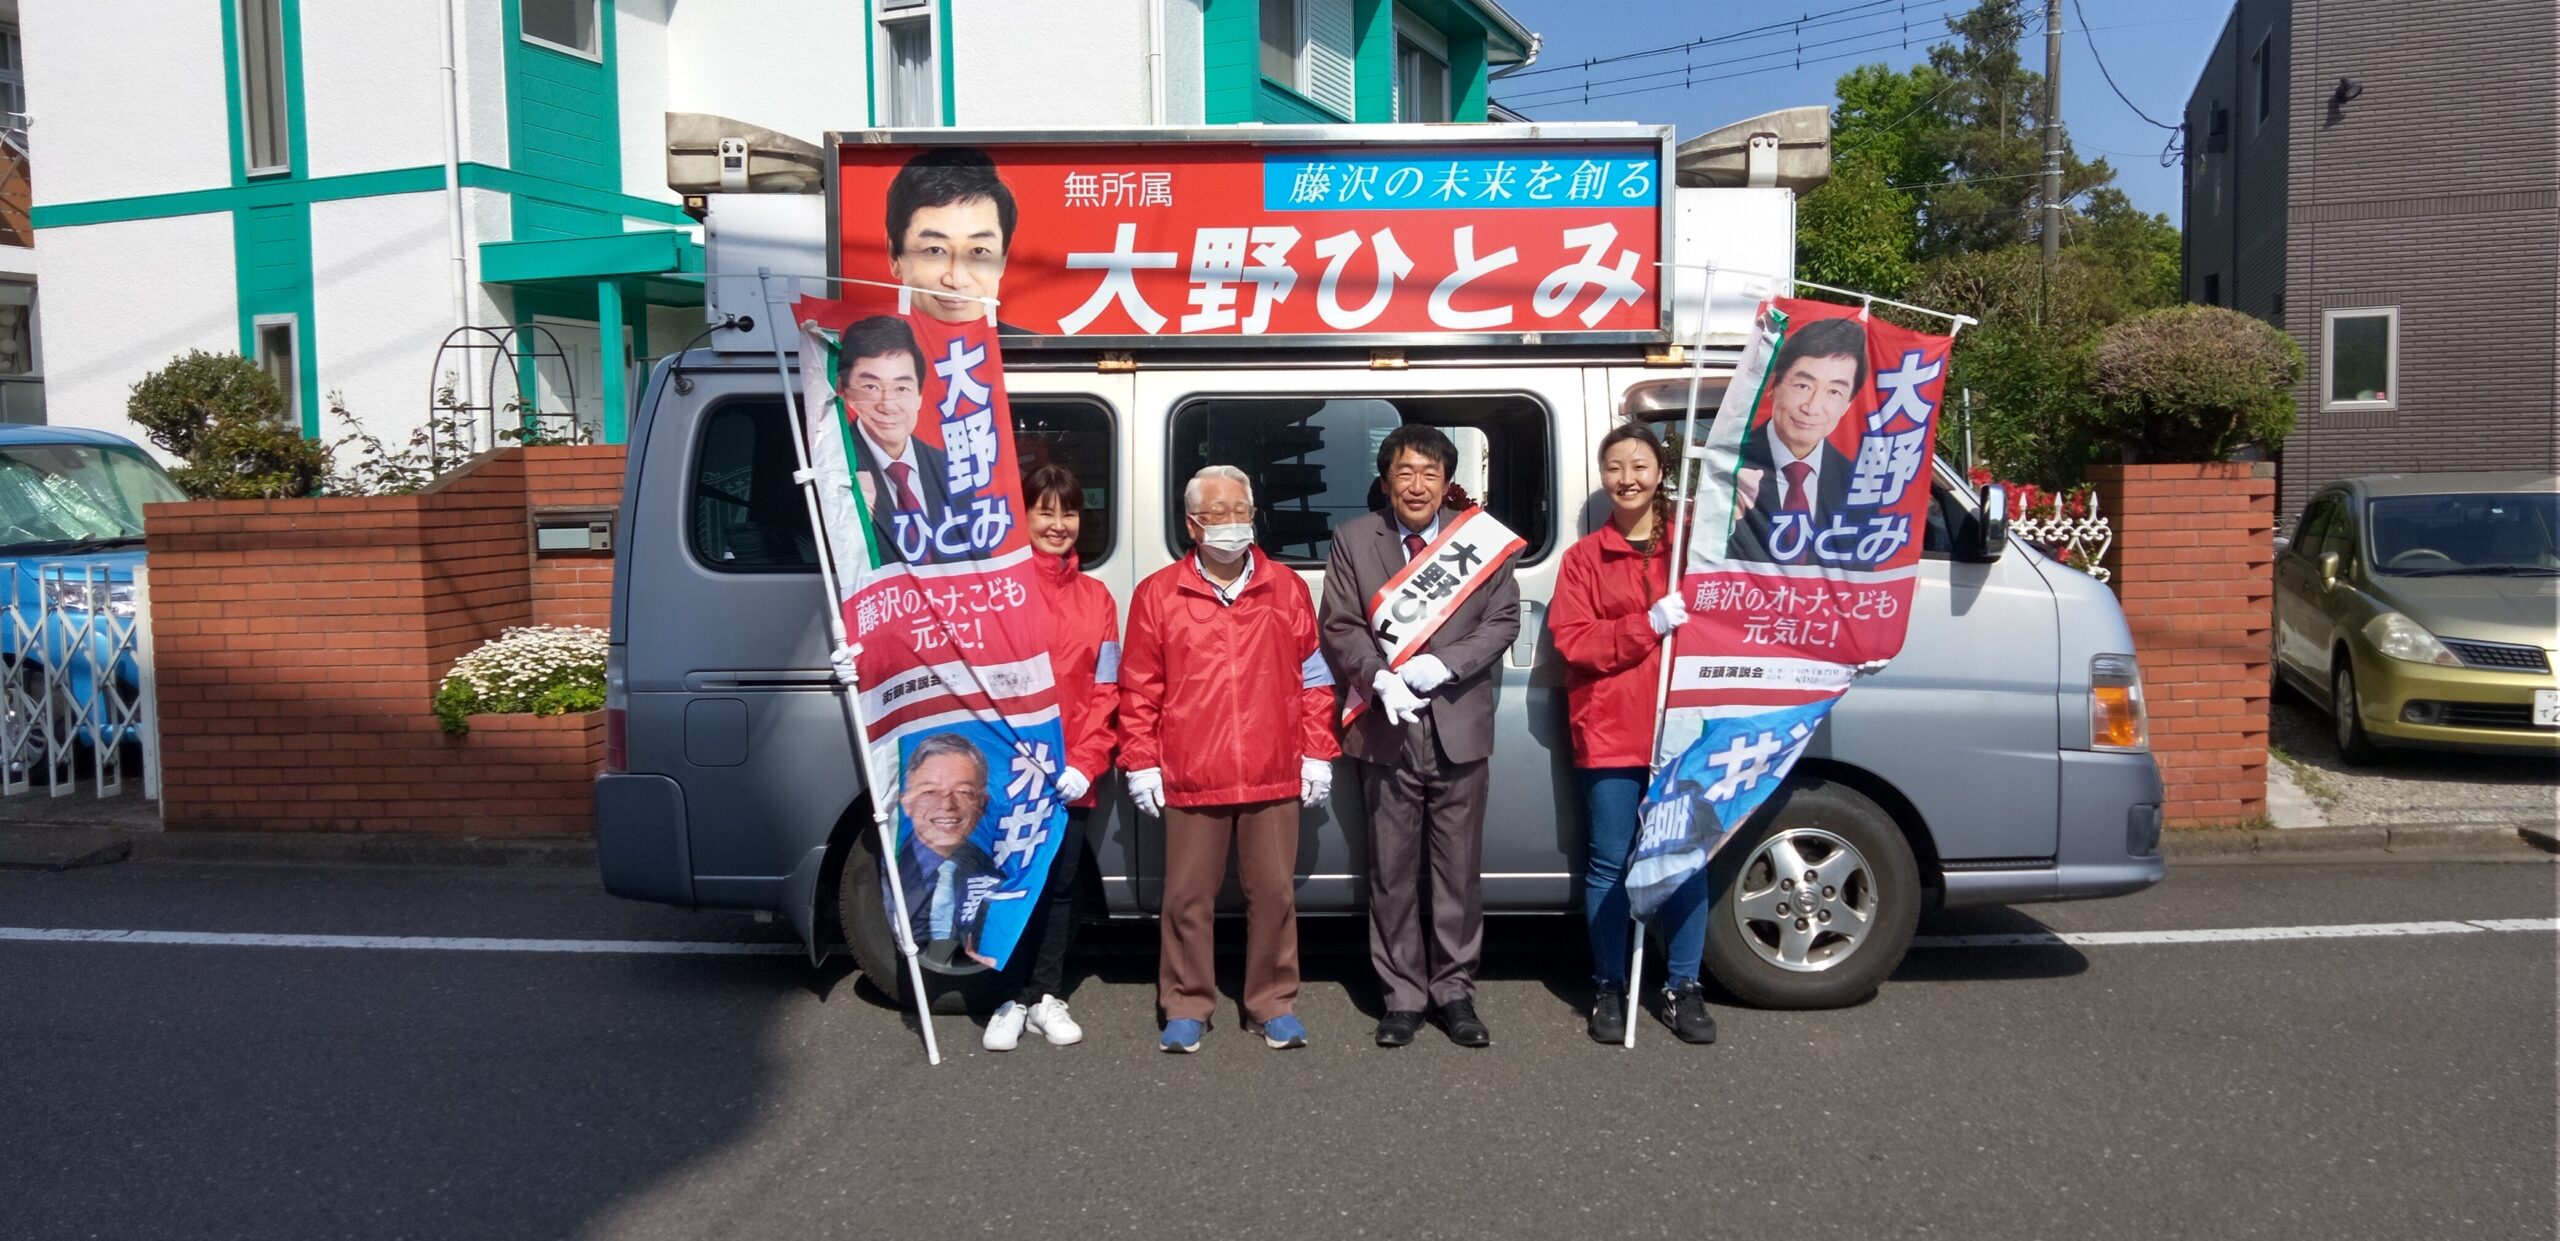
point(2001, 759)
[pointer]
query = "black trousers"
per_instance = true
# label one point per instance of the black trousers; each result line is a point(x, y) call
point(1040, 959)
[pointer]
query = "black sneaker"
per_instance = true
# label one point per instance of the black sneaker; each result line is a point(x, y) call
point(1398, 1028)
point(1465, 1029)
point(1684, 1009)
point(1609, 1016)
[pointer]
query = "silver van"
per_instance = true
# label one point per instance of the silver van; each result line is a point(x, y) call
point(1970, 772)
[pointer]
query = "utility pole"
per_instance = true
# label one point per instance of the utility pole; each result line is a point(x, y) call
point(2052, 133)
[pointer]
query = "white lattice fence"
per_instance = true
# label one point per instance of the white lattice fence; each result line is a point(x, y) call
point(2080, 542)
point(76, 676)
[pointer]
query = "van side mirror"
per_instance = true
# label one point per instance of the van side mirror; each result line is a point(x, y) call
point(1991, 535)
point(2328, 568)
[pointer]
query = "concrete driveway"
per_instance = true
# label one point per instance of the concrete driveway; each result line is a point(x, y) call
point(2310, 786)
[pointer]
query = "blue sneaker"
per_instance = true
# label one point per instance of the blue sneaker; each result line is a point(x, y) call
point(1280, 1033)
point(1181, 1034)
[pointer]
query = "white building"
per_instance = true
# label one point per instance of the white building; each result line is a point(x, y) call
point(284, 178)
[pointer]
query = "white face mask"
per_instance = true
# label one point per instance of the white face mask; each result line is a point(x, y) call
point(1225, 543)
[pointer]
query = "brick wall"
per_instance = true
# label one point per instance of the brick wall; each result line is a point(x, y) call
point(299, 644)
point(2194, 568)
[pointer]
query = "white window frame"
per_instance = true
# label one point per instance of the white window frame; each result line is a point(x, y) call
point(595, 26)
point(2391, 357)
point(1412, 29)
point(249, 100)
point(885, 55)
point(292, 324)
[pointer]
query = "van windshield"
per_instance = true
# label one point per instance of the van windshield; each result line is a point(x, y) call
point(65, 497)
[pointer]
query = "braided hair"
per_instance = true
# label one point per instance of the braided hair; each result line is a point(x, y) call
point(1638, 431)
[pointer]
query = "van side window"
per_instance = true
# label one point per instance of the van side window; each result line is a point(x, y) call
point(1075, 432)
point(1314, 462)
point(745, 515)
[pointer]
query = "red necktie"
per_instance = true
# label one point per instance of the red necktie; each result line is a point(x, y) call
point(1795, 500)
point(1412, 546)
point(900, 471)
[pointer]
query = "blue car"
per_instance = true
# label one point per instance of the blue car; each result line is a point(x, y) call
point(72, 498)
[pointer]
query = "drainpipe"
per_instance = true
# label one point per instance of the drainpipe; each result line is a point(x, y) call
point(453, 180)
point(1155, 61)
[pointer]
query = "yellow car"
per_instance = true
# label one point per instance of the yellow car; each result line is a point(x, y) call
point(2424, 609)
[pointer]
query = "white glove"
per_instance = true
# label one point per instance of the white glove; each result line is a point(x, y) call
point(842, 657)
point(1072, 784)
point(1668, 613)
point(1315, 781)
point(1424, 673)
point(1402, 705)
point(1868, 669)
point(1147, 789)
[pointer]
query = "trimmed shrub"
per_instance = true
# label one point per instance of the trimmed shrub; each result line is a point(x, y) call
point(2193, 383)
point(228, 422)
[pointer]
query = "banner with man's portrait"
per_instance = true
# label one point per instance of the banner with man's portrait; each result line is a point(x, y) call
point(911, 439)
point(1804, 548)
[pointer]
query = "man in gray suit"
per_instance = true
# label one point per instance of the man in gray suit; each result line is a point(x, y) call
point(1423, 742)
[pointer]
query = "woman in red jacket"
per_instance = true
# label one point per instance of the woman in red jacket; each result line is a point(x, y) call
point(1612, 612)
point(1084, 656)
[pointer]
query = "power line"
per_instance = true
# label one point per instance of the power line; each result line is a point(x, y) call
point(1896, 123)
point(1588, 63)
point(1688, 75)
point(2092, 41)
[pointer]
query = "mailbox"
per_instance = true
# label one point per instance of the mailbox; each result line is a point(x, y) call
point(571, 531)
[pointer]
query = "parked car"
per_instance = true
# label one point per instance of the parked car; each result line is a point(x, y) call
point(2423, 610)
point(70, 536)
point(2002, 758)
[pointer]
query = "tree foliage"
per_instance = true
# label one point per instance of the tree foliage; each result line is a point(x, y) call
point(2193, 383)
point(1855, 231)
point(228, 421)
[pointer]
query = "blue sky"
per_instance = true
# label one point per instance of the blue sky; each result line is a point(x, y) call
point(2155, 49)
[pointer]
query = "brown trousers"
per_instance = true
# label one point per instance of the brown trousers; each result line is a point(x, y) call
point(1426, 815)
point(1264, 838)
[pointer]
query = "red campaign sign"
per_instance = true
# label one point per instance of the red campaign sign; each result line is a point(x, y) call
point(1829, 486)
point(1167, 240)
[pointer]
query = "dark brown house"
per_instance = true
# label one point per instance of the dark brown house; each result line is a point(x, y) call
point(2382, 180)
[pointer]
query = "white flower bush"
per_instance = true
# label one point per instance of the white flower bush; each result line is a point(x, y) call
point(535, 670)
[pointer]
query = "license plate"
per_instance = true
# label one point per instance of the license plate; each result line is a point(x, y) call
point(2546, 708)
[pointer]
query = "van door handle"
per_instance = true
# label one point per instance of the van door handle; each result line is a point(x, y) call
point(1524, 649)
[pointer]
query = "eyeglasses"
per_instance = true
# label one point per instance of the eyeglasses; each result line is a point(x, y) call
point(873, 391)
point(1224, 516)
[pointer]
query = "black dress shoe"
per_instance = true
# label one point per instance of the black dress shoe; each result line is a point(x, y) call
point(1684, 1009)
point(1464, 1027)
point(1397, 1028)
point(1609, 1016)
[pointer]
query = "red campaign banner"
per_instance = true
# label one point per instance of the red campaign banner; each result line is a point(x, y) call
point(1813, 511)
point(1172, 240)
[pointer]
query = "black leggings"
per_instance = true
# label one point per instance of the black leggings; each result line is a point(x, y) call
point(1040, 959)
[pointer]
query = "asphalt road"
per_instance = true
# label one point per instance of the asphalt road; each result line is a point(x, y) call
point(2364, 1086)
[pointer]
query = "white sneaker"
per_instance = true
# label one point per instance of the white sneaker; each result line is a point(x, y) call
point(1005, 1028)
point(1050, 1020)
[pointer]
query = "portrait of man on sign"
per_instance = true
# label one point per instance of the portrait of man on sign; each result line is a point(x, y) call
point(942, 794)
point(1793, 480)
point(950, 228)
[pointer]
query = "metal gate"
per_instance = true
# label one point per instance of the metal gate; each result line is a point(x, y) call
point(76, 678)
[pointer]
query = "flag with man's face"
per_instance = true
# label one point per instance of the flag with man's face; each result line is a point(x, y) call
point(911, 441)
point(1804, 547)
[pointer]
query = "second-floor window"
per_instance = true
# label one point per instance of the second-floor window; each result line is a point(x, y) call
point(565, 26)
point(911, 84)
point(262, 102)
point(13, 85)
point(1422, 73)
point(1306, 47)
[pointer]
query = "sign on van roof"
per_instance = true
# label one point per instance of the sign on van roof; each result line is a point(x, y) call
point(1367, 235)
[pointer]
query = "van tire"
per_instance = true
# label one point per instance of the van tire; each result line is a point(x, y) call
point(863, 913)
point(1822, 821)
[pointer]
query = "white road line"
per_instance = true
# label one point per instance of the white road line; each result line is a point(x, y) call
point(659, 947)
point(2232, 935)
point(426, 943)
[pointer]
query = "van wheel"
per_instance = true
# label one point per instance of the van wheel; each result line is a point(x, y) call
point(1815, 901)
point(2354, 746)
point(955, 984)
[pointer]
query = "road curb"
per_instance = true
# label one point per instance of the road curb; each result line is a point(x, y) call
point(368, 848)
point(61, 847)
point(2414, 838)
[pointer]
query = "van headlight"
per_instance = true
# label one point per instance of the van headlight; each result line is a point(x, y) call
point(2116, 718)
point(79, 596)
point(2402, 638)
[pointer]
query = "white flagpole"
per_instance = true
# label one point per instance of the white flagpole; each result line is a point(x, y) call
point(1676, 544)
point(776, 321)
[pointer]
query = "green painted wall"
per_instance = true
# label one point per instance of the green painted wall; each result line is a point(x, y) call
point(1468, 87)
point(1230, 61)
point(1278, 105)
point(1373, 57)
point(563, 124)
point(270, 220)
point(1233, 89)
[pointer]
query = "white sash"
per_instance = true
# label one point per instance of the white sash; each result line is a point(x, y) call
point(1418, 598)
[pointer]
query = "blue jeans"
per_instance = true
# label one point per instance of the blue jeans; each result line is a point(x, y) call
point(1609, 797)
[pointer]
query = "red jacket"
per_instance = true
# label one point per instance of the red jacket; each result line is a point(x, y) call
point(1084, 656)
point(1225, 699)
point(1612, 656)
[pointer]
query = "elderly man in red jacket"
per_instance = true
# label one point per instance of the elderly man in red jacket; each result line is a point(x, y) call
point(1225, 716)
